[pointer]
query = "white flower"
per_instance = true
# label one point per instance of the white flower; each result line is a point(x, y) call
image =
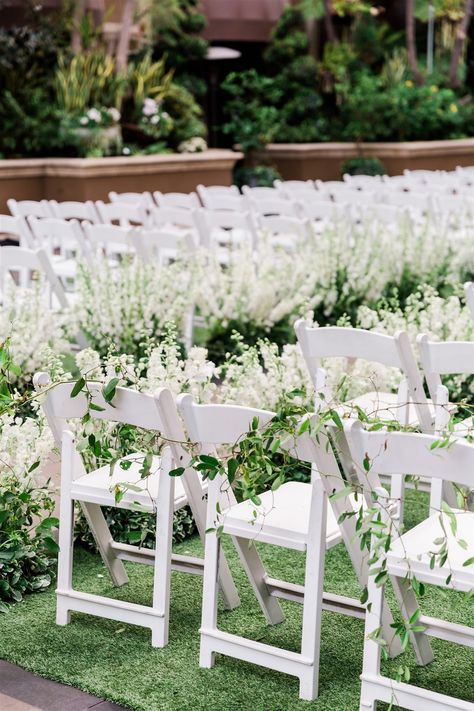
point(126, 151)
point(193, 145)
point(94, 115)
point(83, 120)
point(150, 107)
point(114, 114)
point(155, 119)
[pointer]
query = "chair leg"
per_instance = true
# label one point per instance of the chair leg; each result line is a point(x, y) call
point(408, 605)
point(227, 586)
point(366, 703)
point(162, 569)
point(314, 586)
point(209, 597)
point(65, 558)
point(257, 574)
point(373, 623)
point(100, 530)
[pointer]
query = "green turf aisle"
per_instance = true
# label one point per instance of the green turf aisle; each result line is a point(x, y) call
point(116, 661)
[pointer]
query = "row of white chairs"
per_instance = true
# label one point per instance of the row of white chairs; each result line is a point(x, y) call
point(308, 517)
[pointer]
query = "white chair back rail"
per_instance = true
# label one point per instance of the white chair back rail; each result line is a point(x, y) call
point(111, 240)
point(124, 214)
point(144, 199)
point(72, 209)
point(207, 193)
point(187, 201)
point(26, 262)
point(29, 208)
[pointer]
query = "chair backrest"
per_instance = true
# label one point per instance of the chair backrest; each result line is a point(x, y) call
point(419, 201)
point(224, 220)
point(176, 216)
point(26, 262)
point(29, 208)
point(161, 245)
point(443, 358)
point(387, 214)
point(387, 453)
point(74, 210)
point(281, 225)
point(124, 214)
point(53, 234)
point(321, 210)
point(469, 292)
point(112, 240)
point(207, 193)
point(261, 193)
point(362, 182)
point(187, 201)
point(294, 188)
point(273, 206)
point(144, 199)
point(16, 228)
point(354, 343)
point(129, 406)
point(355, 197)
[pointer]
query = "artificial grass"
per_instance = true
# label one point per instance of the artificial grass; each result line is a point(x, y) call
point(116, 661)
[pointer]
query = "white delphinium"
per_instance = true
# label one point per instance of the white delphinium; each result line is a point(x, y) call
point(168, 368)
point(442, 319)
point(23, 443)
point(260, 288)
point(89, 364)
point(30, 326)
point(125, 304)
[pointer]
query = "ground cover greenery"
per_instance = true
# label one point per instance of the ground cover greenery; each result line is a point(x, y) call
point(115, 661)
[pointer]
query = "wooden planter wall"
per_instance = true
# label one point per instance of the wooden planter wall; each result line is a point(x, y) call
point(93, 178)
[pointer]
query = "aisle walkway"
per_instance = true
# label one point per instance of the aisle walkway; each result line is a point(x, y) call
point(22, 691)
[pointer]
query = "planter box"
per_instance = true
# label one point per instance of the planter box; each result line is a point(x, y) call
point(303, 161)
point(93, 178)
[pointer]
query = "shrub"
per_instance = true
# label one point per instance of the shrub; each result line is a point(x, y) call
point(363, 166)
point(27, 548)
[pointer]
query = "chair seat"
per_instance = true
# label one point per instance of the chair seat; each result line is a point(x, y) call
point(412, 551)
point(98, 486)
point(378, 404)
point(282, 518)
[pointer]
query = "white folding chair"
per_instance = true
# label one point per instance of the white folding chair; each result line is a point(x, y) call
point(285, 231)
point(73, 210)
point(144, 199)
point(176, 219)
point(293, 516)
point(110, 240)
point(273, 206)
point(25, 263)
point(208, 194)
point(123, 214)
point(162, 245)
point(322, 212)
point(62, 240)
point(227, 228)
point(294, 189)
point(29, 208)
point(411, 554)
point(469, 292)
point(187, 201)
point(158, 493)
point(408, 406)
point(446, 358)
point(258, 193)
point(363, 182)
point(16, 229)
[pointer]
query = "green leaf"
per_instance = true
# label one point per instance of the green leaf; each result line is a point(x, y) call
point(469, 561)
point(342, 493)
point(177, 472)
point(50, 544)
point(4, 607)
point(77, 387)
point(232, 466)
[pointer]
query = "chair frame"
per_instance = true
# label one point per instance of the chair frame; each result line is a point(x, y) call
point(402, 452)
point(212, 425)
point(59, 407)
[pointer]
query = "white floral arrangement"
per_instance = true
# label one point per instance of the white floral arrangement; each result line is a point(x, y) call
point(155, 120)
point(197, 144)
point(100, 118)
